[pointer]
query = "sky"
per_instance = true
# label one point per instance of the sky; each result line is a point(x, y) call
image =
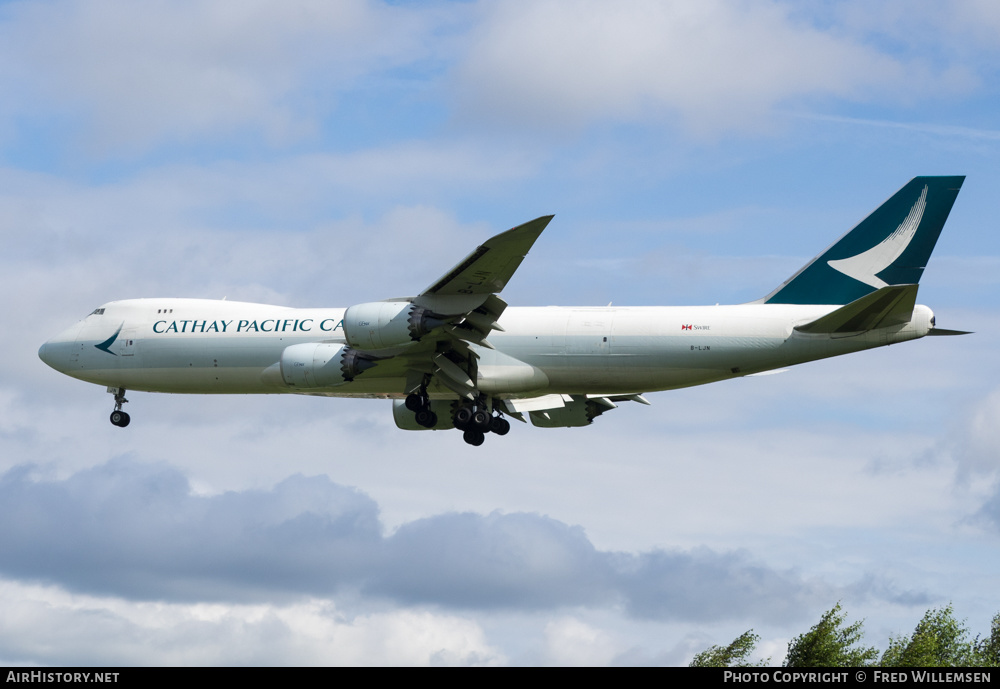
point(321, 154)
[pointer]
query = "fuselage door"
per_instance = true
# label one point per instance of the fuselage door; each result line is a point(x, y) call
point(588, 331)
point(127, 343)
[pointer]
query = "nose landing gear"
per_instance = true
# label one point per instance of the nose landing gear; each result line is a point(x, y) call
point(118, 417)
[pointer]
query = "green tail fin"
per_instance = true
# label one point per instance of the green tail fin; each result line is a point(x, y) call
point(889, 247)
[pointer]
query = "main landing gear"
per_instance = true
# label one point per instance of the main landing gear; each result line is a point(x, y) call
point(420, 404)
point(475, 422)
point(118, 417)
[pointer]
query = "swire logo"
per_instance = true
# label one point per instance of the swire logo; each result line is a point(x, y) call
point(686, 327)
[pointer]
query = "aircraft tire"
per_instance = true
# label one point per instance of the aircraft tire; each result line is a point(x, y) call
point(499, 425)
point(120, 419)
point(462, 418)
point(427, 418)
point(414, 403)
point(480, 421)
point(474, 437)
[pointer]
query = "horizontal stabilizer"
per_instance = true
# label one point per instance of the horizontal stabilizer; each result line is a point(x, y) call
point(885, 307)
point(943, 331)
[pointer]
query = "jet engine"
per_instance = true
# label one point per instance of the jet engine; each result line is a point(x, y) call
point(319, 365)
point(385, 324)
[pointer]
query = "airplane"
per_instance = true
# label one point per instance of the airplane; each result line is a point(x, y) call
point(456, 356)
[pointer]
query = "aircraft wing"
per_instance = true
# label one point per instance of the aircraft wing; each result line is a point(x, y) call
point(456, 311)
point(487, 269)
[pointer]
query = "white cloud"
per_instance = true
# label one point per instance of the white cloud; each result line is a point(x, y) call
point(291, 233)
point(114, 78)
point(571, 642)
point(48, 626)
point(976, 443)
point(973, 448)
point(136, 76)
point(714, 65)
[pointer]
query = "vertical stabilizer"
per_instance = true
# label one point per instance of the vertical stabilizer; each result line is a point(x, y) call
point(889, 247)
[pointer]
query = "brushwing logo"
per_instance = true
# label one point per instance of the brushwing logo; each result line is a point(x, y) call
point(106, 345)
point(866, 266)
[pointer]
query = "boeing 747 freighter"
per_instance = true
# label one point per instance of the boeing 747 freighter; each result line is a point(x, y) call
point(456, 356)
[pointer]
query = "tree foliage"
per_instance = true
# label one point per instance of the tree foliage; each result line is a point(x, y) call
point(939, 640)
point(735, 654)
point(830, 644)
point(989, 648)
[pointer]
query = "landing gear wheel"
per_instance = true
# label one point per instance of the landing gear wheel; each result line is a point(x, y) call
point(474, 437)
point(118, 417)
point(462, 418)
point(499, 425)
point(415, 402)
point(427, 418)
point(480, 421)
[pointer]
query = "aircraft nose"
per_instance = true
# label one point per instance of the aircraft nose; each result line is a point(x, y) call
point(49, 353)
point(43, 353)
point(56, 352)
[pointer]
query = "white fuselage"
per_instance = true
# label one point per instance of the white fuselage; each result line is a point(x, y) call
point(204, 346)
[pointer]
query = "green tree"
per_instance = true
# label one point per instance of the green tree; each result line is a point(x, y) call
point(830, 644)
point(735, 654)
point(939, 640)
point(989, 648)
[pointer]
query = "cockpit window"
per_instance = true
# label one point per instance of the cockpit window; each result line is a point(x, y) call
point(97, 312)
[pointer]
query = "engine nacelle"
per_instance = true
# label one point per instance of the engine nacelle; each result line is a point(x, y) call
point(321, 365)
point(407, 420)
point(575, 413)
point(385, 324)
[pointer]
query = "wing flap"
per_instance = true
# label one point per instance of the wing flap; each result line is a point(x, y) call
point(544, 403)
point(621, 398)
point(540, 403)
